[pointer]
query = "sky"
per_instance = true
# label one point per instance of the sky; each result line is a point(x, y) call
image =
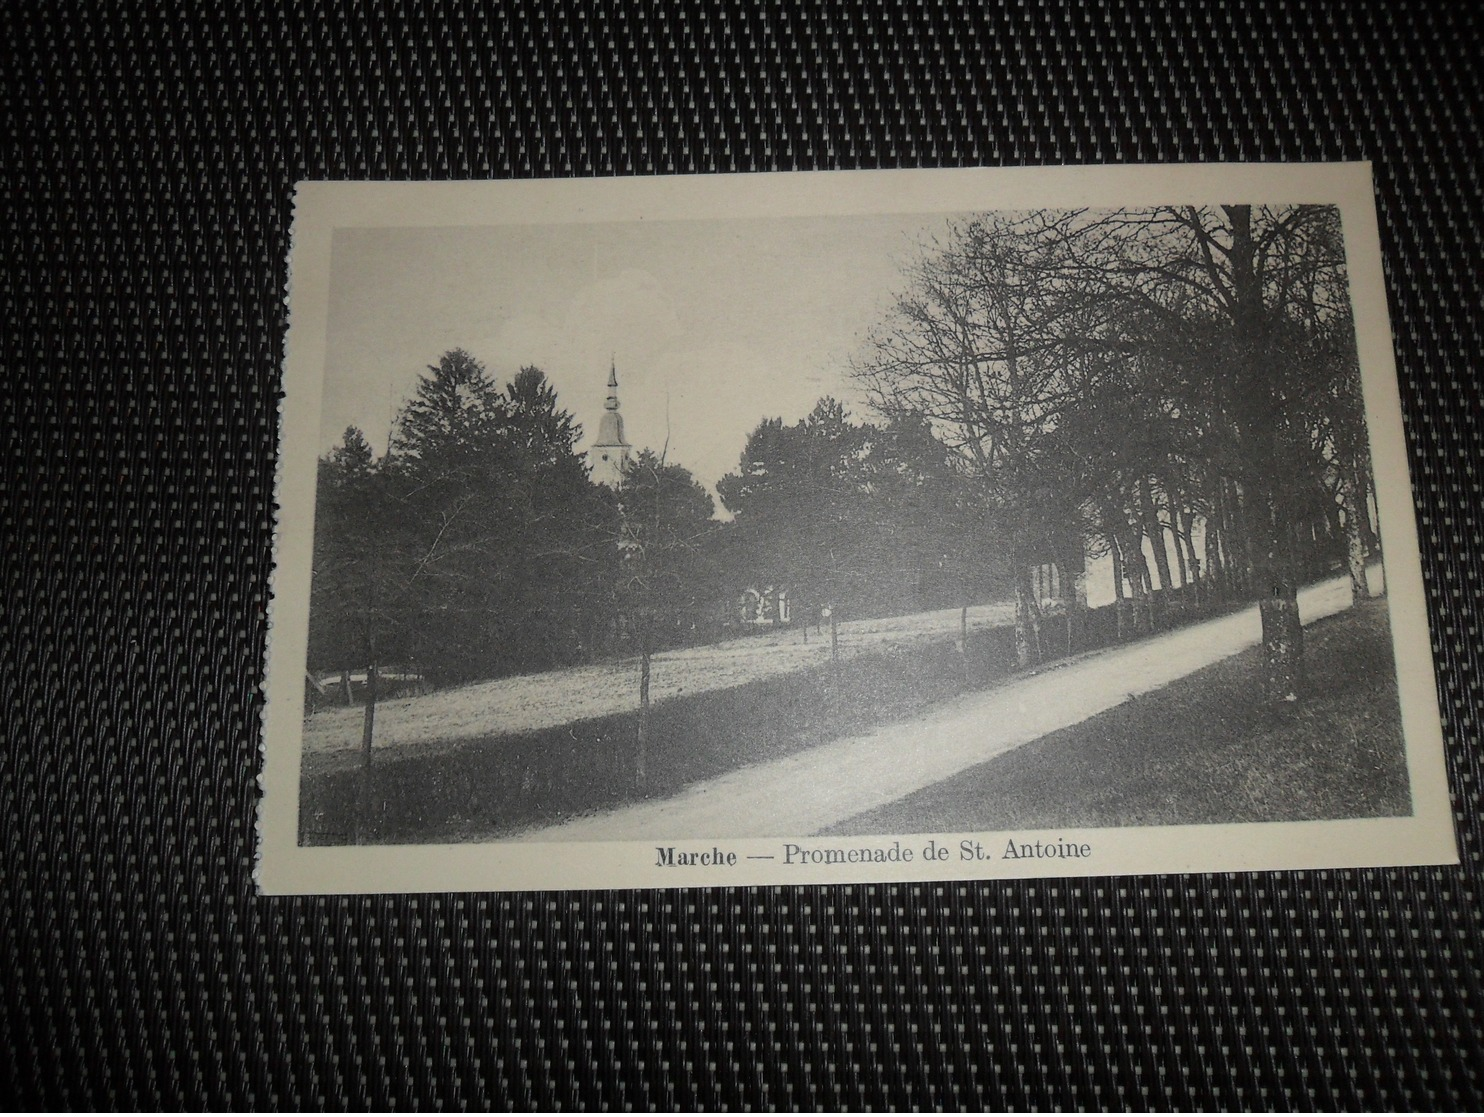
point(714, 325)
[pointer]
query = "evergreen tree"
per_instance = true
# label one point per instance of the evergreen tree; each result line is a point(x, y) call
point(537, 424)
point(795, 497)
point(500, 503)
point(453, 415)
point(850, 515)
point(359, 604)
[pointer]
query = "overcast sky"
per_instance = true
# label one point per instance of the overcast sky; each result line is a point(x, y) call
point(714, 324)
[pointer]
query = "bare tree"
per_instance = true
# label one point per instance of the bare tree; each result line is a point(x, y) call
point(981, 346)
point(1253, 291)
point(1129, 371)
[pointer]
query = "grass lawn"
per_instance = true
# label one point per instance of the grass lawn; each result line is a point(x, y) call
point(482, 790)
point(1201, 751)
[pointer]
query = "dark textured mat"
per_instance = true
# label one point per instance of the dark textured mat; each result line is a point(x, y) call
point(149, 159)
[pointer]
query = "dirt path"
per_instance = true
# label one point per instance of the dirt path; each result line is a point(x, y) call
point(812, 790)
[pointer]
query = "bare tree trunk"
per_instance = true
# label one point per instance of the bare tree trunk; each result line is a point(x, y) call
point(1215, 573)
point(1370, 530)
point(834, 635)
point(1282, 628)
point(1027, 619)
point(1193, 563)
point(1182, 568)
point(1334, 520)
point(345, 687)
point(1183, 522)
point(1360, 586)
point(1224, 540)
point(1149, 514)
point(1120, 600)
point(1023, 653)
point(1243, 557)
point(1173, 500)
point(368, 724)
point(1269, 504)
point(1137, 567)
point(1129, 563)
point(1272, 543)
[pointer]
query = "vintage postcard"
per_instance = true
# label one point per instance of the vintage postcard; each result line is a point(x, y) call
point(800, 528)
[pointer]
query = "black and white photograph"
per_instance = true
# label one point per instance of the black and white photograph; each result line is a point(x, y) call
point(890, 525)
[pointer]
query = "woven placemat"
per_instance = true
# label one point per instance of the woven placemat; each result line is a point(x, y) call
point(150, 157)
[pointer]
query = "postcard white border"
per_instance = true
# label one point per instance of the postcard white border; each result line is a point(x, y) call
point(284, 867)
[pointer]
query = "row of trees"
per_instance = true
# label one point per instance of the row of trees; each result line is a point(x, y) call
point(1122, 379)
point(1174, 387)
point(474, 547)
point(477, 546)
point(861, 518)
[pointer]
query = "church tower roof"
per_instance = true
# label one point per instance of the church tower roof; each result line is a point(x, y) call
point(610, 454)
point(610, 427)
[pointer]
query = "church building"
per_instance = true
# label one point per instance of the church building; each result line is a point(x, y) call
point(610, 453)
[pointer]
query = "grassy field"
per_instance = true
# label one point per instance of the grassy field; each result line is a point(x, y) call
point(437, 723)
point(482, 790)
point(1199, 751)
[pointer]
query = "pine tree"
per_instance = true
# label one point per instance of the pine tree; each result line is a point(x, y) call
point(506, 518)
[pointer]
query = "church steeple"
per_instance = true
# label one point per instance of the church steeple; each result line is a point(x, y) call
point(610, 450)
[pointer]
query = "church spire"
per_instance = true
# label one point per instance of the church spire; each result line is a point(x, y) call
point(612, 402)
point(610, 450)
